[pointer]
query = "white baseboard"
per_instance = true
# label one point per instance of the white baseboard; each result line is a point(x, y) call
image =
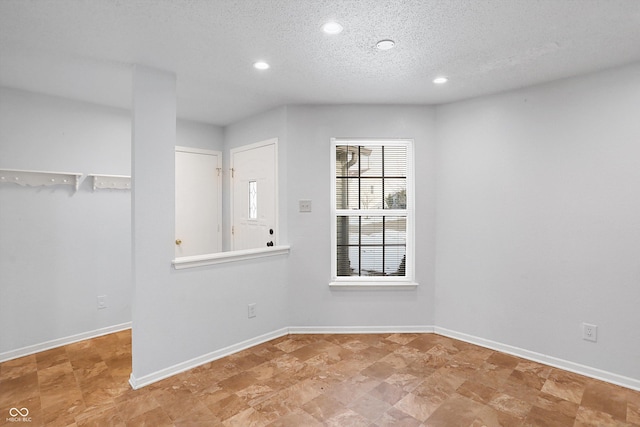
point(360, 329)
point(214, 355)
point(577, 368)
point(48, 345)
point(145, 380)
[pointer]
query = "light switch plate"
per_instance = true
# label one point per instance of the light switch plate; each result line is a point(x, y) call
point(304, 205)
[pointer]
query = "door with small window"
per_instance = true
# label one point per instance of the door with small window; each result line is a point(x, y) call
point(253, 195)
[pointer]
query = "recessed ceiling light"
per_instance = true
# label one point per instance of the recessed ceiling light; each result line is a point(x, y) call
point(440, 80)
point(385, 44)
point(261, 65)
point(332, 27)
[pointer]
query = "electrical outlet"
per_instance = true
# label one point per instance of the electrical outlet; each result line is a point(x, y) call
point(102, 302)
point(589, 332)
point(251, 310)
point(304, 205)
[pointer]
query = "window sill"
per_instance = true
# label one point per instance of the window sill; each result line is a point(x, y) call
point(374, 285)
point(226, 257)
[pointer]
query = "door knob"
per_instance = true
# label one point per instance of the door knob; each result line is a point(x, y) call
point(178, 242)
point(271, 231)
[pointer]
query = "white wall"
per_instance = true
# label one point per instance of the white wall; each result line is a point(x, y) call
point(538, 219)
point(188, 314)
point(60, 249)
point(530, 226)
point(311, 301)
point(199, 135)
point(192, 314)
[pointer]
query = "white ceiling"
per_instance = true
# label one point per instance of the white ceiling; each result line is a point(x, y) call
point(84, 49)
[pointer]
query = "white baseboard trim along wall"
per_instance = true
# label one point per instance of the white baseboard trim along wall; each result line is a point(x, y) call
point(136, 383)
point(576, 368)
point(48, 345)
point(299, 330)
point(361, 329)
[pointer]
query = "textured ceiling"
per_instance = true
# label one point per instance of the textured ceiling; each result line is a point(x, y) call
point(84, 49)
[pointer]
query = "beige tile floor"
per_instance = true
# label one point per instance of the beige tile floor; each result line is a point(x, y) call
point(312, 380)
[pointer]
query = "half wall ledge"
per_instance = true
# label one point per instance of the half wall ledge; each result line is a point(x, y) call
point(226, 257)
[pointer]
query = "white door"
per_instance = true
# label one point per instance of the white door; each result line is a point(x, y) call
point(253, 196)
point(198, 201)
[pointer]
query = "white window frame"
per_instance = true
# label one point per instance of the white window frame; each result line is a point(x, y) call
point(376, 281)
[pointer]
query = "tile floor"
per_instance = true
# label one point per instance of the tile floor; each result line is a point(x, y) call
point(311, 380)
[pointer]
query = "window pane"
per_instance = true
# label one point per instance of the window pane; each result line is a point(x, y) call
point(348, 237)
point(253, 200)
point(395, 161)
point(347, 190)
point(342, 230)
point(394, 260)
point(371, 260)
point(348, 230)
point(371, 193)
point(342, 193)
point(344, 265)
point(370, 161)
point(395, 193)
point(395, 230)
point(347, 160)
point(372, 230)
point(341, 160)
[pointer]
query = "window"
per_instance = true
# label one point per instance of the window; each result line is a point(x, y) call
point(253, 200)
point(372, 211)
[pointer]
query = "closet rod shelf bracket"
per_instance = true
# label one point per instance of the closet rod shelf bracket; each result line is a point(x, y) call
point(117, 182)
point(36, 178)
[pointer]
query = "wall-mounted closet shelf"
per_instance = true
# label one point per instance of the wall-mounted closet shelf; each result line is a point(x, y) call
point(118, 182)
point(36, 178)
